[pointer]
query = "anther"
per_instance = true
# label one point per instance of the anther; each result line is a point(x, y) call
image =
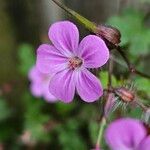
point(75, 62)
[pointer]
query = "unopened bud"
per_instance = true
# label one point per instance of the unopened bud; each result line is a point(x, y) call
point(109, 106)
point(110, 34)
point(125, 94)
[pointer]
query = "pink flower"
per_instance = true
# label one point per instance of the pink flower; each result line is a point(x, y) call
point(69, 62)
point(39, 84)
point(127, 134)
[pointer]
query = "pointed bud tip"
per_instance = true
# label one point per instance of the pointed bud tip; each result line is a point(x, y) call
point(110, 34)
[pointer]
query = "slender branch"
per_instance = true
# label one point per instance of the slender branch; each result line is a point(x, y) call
point(100, 134)
point(140, 73)
point(110, 67)
point(119, 49)
point(131, 68)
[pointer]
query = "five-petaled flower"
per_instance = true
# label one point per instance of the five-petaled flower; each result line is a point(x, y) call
point(69, 62)
point(40, 84)
point(127, 134)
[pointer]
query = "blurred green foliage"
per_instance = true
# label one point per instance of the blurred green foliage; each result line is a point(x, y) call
point(4, 109)
point(134, 32)
point(70, 136)
point(26, 57)
point(104, 79)
point(35, 119)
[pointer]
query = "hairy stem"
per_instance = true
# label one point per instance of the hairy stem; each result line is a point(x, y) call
point(131, 67)
point(103, 117)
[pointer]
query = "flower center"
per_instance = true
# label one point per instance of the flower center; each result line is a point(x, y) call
point(75, 62)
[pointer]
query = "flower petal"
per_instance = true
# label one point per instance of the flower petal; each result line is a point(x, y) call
point(62, 85)
point(125, 134)
point(49, 97)
point(36, 89)
point(35, 78)
point(145, 144)
point(65, 37)
point(34, 75)
point(88, 86)
point(46, 93)
point(49, 60)
point(94, 51)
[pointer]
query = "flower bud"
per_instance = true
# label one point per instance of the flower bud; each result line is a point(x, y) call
point(110, 103)
point(125, 94)
point(110, 34)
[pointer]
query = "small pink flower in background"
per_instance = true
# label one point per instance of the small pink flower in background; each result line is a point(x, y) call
point(40, 84)
point(127, 134)
point(69, 62)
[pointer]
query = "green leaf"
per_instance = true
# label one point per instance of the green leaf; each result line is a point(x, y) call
point(135, 113)
point(140, 44)
point(64, 109)
point(133, 31)
point(26, 57)
point(129, 23)
point(103, 76)
point(143, 84)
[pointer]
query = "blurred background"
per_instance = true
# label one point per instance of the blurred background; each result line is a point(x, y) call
point(28, 122)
